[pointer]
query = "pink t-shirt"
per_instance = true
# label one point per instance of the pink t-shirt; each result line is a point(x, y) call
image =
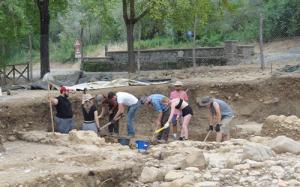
point(179, 94)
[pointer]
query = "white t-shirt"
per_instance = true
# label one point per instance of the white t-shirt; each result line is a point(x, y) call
point(126, 98)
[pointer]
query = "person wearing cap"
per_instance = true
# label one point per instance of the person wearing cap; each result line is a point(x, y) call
point(155, 100)
point(178, 92)
point(124, 99)
point(186, 112)
point(90, 114)
point(110, 108)
point(221, 114)
point(64, 115)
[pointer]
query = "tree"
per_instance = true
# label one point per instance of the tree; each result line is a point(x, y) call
point(43, 6)
point(130, 21)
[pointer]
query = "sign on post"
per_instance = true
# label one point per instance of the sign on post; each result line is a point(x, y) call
point(77, 49)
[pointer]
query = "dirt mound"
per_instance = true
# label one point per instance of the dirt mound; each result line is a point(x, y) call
point(282, 125)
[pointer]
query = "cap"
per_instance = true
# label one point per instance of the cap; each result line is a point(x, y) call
point(206, 100)
point(63, 89)
point(178, 83)
point(99, 99)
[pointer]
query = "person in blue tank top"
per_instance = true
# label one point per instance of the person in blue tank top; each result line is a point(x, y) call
point(221, 115)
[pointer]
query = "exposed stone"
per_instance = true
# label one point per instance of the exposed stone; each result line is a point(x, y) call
point(85, 137)
point(297, 168)
point(11, 138)
point(277, 171)
point(208, 184)
point(195, 159)
point(151, 174)
point(173, 175)
point(257, 152)
point(283, 144)
point(186, 181)
point(194, 169)
point(282, 126)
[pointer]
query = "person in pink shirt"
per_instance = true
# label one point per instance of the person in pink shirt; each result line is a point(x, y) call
point(178, 92)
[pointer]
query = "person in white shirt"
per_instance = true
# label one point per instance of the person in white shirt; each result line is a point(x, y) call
point(124, 99)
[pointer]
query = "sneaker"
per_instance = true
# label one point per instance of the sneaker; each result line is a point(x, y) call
point(181, 138)
point(161, 141)
point(174, 136)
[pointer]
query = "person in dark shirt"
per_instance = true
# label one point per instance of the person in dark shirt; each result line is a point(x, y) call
point(64, 114)
point(110, 108)
point(90, 114)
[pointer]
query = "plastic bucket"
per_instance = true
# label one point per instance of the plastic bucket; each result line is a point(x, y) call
point(141, 145)
point(123, 141)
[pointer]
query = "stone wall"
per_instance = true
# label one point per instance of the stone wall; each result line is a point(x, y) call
point(160, 59)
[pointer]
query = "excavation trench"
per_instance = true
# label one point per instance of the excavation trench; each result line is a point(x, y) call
point(252, 101)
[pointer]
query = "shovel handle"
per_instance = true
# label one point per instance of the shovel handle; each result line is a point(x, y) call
point(158, 130)
point(207, 136)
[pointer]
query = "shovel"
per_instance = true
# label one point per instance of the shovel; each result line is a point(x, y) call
point(48, 78)
point(207, 136)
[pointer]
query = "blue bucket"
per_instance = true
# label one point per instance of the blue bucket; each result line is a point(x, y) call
point(141, 145)
point(123, 141)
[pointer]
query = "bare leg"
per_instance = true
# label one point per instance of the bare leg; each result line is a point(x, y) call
point(219, 136)
point(185, 124)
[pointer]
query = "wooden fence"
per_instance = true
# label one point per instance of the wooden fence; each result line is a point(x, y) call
point(14, 73)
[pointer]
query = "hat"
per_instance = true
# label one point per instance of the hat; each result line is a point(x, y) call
point(99, 99)
point(87, 97)
point(63, 89)
point(206, 100)
point(178, 83)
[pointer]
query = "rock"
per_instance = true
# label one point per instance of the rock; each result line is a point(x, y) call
point(12, 138)
point(297, 168)
point(283, 144)
point(282, 126)
point(208, 184)
point(257, 152)
point(187, 181)
point(85, 137)
point(173, 175)
point(277, 172)
point(194, 169)
point(155, 184)
point(151, 174)
point(259, 139)
point(195, 159)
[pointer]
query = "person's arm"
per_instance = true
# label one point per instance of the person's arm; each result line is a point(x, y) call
point(53, 100)
point(103, 111)
point(120, 112)
point(217, 117)
point(96, 118)
point(185, 96)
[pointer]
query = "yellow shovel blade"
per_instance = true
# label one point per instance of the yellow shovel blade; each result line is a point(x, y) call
point(158, 130)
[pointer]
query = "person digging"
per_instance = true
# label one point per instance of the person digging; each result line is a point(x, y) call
point(124, 99)
point(90, 114)
point(110, 108)
point(64, 115)
point(220, 117)
point(178, 92)
point(163, 112)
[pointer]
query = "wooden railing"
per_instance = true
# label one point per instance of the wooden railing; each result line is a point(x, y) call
point(14, 73)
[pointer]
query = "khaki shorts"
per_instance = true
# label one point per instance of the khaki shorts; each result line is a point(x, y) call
point(225, 128)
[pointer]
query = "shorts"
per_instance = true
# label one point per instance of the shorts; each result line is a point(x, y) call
point(186, 111)
point(225, 127)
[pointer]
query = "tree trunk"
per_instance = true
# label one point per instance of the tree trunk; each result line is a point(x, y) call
point(261, 42)
point(30, 56)
point(194, 42)
point(130, 46)
point(44, 35)
point(81, 48)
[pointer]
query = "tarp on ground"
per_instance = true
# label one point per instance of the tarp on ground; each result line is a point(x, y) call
point(116, 83)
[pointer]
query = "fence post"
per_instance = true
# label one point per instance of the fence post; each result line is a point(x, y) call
point(261, 42)
point(14, 74)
